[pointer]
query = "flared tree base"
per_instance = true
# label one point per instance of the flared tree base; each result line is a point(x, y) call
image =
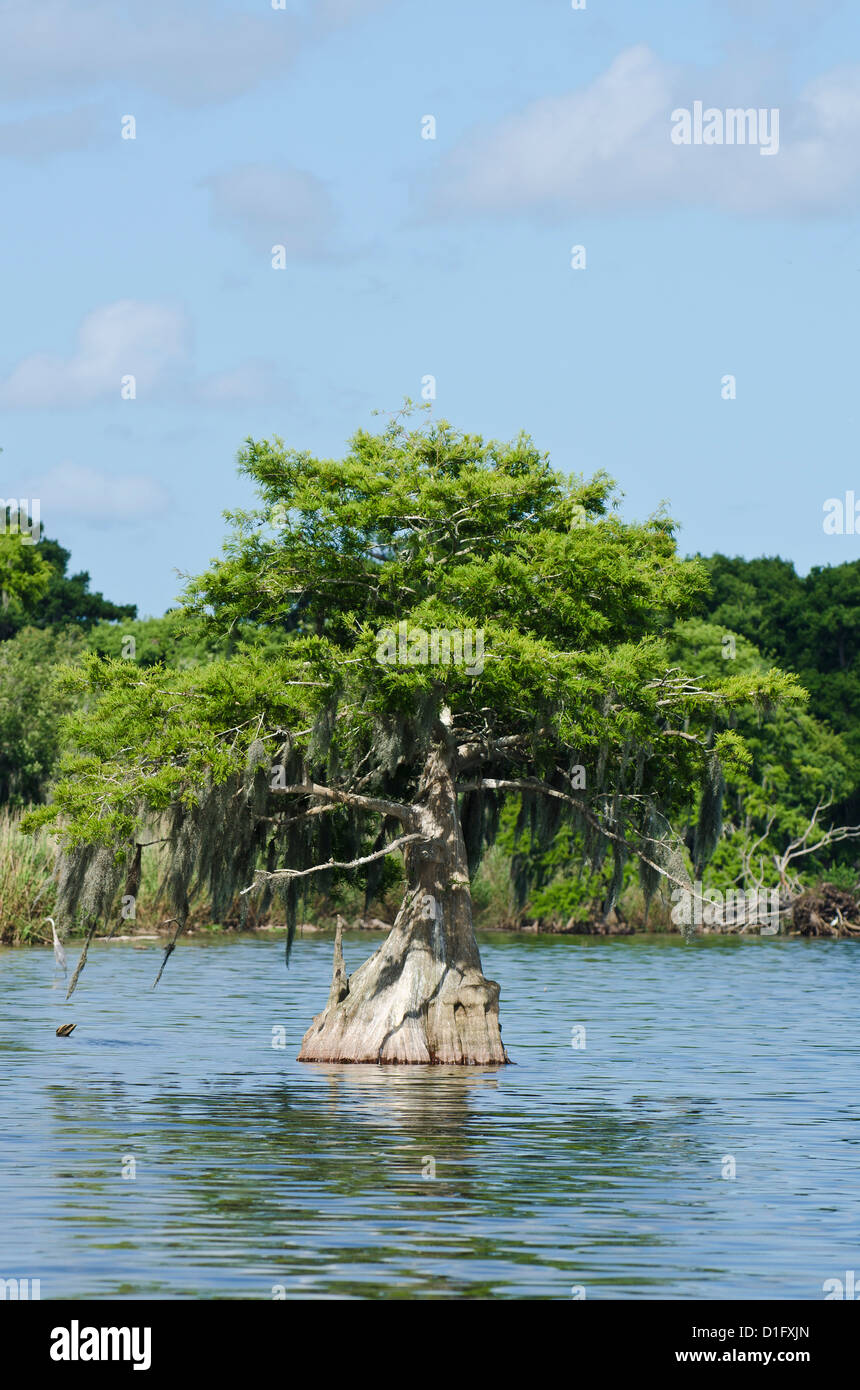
point(407, 1006)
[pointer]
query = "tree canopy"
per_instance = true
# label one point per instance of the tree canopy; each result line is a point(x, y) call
point(302, 748)
point(810, 624)
point(43, 594)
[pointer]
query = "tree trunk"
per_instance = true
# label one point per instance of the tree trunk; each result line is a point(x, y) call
point(422, 997)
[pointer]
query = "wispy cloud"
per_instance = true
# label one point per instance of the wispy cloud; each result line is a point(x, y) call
point(151, 342)
point(38, 137)
point(607, 146)
point(195, 52)
point(255, 382)
point(270, 205)
point(98, 497)
point(129, 337)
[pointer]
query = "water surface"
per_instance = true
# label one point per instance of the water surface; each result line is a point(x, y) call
point(595, 1169)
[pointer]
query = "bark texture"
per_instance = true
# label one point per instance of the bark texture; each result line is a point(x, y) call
point(422, 997)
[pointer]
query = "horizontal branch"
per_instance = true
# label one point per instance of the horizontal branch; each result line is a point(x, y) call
point(483, 747)
point(520, 784)
point(398, 809)
point(263, 875)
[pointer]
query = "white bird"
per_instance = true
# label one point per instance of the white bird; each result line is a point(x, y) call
point(59, 953)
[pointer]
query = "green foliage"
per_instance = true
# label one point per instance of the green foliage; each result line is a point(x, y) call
point(569, 895)
point(176, 640)
point(31, 707)
point(586, 650)
point(808, 625)
point(24, 578)
point(40, 593)
point(437, 529)
point(43, 615)
point(493, 902)
point(845, 877)
point(791, 760)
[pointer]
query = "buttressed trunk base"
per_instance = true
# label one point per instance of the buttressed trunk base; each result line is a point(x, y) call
point(422, 997)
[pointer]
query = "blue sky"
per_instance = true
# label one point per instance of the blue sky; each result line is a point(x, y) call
point(405, 257)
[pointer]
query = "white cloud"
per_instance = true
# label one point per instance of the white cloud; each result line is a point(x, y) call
point(251, 383)
point(129, 337)
point(194, 52)
point(607, 145)
point(102, 499)
point(274, 206)
point(38, 137)
point(150, 342)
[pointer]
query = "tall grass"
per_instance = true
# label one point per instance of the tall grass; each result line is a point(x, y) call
point(27, 890)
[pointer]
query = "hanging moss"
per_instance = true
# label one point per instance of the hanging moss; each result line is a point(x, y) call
point(619, 859)
point(710, 822)
point(649, 877)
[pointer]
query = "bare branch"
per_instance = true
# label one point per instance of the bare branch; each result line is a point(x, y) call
point(262, 876)
point(398, 809)
point(800, 846)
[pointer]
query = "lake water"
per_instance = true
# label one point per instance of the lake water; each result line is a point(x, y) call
point(596, 1168)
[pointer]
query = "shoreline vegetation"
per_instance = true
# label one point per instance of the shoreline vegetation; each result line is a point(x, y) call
point(27, 898)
